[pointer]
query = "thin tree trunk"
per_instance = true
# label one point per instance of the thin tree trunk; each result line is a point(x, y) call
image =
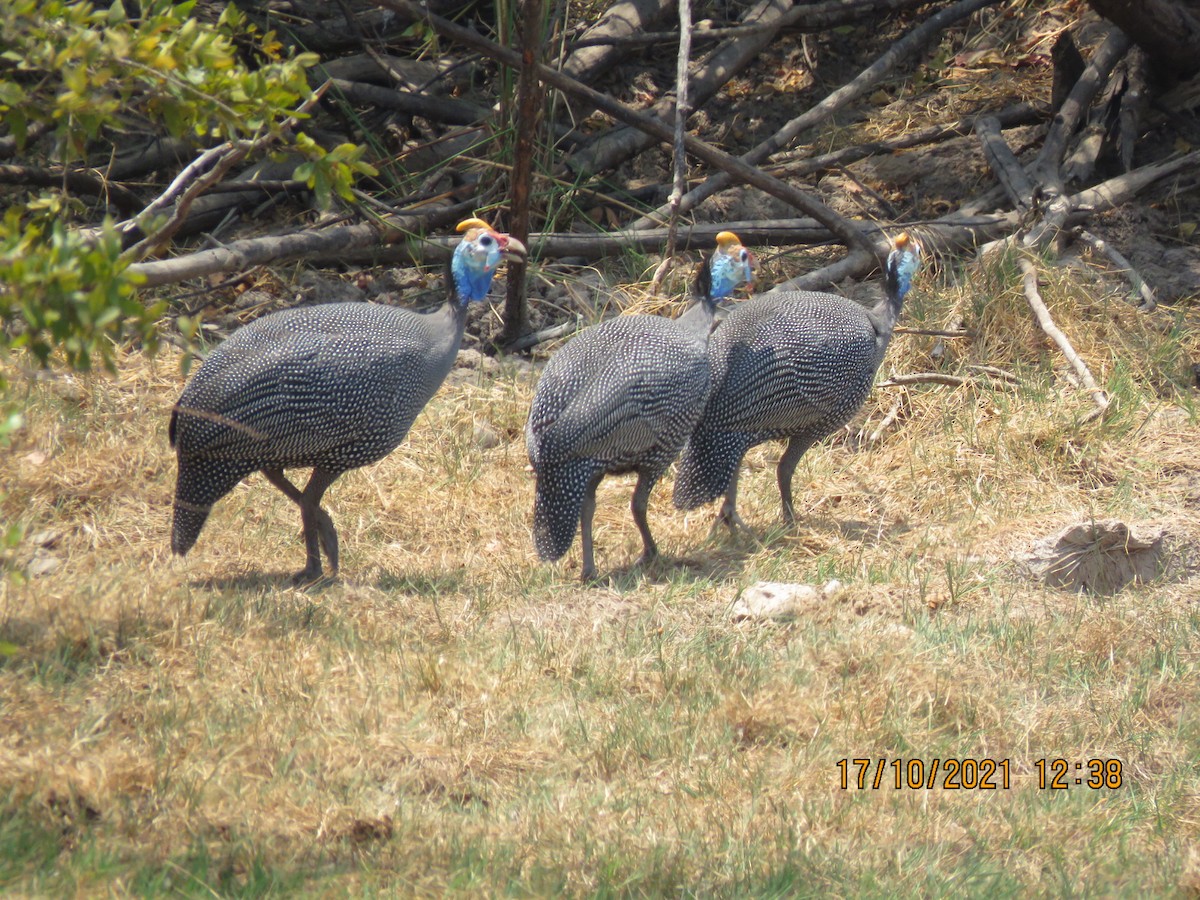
point(529, 106)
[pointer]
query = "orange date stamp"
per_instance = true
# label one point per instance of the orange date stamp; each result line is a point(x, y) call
point(971, 774)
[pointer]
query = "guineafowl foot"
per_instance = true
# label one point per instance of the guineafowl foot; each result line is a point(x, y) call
point(308, 576)
point(731, 520)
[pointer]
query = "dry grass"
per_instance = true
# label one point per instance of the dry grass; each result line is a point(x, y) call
point(455, 717)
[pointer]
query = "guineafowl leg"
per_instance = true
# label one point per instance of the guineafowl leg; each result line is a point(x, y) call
point(318, 526)
point(585, 528)
point(641, 499)
point(728, 515)
point(787, 467)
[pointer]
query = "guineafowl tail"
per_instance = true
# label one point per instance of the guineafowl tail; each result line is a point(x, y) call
point(708, 463)
point(557, 504)
point(201, 483)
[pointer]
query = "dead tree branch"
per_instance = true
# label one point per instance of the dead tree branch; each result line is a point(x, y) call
point(605, 43)
point(1029, 281)
point(679, 153)
point(437, 109)
point(908, 45)
point(1126, 268)
point(801, 200)
point(77, 182)
point(330, 242)
point(618, 145)
point(529, 110)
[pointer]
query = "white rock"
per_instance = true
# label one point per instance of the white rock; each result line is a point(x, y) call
point(779, 601)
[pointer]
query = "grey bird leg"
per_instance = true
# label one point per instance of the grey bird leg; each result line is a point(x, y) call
point(319, 531)
point(641, 499)
point(787, 467)
point(585, 529)
point(728, 514)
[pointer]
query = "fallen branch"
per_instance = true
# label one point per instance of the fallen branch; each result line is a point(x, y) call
point(528, 341)
point(1102, 247)
point(1004, 164)
point(888, 421)
point(679, 154)
point(208, 169)
point(437, 109)
point(931, 332)
point(1069, 117)
point(924, 378)
point(860, 85)
point(949, 380)
point(8, 143)
point(1045, 320)
point(159, 153)
point(1012, 117)
point(618, 145)
point(997, 373)
point(78, 182)
point(607, 42)
point(1123, 188)
point(845, 230)
point(331, 242)
point(805, 18)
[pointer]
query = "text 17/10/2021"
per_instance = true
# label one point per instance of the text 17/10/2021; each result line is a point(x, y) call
point(971, 774)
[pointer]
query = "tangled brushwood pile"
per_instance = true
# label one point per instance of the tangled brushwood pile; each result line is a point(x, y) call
point(453, 716)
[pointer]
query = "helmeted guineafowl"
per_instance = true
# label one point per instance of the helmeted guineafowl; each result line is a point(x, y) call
point(332, 386)
point(622, 396)
point(793, 365)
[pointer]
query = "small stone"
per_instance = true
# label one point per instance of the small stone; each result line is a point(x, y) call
point(485, 436)
point(780, 601)
point(46, 538)
point(42, 565)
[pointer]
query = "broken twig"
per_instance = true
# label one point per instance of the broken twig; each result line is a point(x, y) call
point(1034, 298)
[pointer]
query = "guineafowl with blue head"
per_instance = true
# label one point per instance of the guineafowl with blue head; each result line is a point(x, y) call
point(620, 397)
point(332, 387)
point(795, 365)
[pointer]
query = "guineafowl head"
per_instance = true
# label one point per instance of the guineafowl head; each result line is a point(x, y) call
point(902, 265)
point(730, 266)
point(478, 255)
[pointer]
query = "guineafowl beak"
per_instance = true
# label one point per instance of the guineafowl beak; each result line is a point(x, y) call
point(512, 249)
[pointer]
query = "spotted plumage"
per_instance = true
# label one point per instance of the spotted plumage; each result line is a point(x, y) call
point(622, 396)
point(333, 387)
point(793, 365)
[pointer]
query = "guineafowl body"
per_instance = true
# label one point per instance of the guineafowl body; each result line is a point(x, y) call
point(622, 396)
point(333, 387)
point(795, 365)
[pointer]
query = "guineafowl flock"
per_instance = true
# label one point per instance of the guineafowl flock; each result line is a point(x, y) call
point(336, 386)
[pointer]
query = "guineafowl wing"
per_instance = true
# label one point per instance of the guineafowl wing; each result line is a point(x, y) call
point(627, 388)
point(798, 364)
point(305, 395)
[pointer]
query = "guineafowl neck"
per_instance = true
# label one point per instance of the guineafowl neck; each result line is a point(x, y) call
point(697, 319)
point(445, 326)
point(885, 314)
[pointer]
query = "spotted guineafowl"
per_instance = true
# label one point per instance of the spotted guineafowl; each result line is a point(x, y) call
point(622, 396)
point(333, 386)
point(793, 365)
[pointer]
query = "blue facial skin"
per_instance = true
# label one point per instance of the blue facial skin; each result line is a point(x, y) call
point(904, 264)
point(474, 264)
point(729, 271)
